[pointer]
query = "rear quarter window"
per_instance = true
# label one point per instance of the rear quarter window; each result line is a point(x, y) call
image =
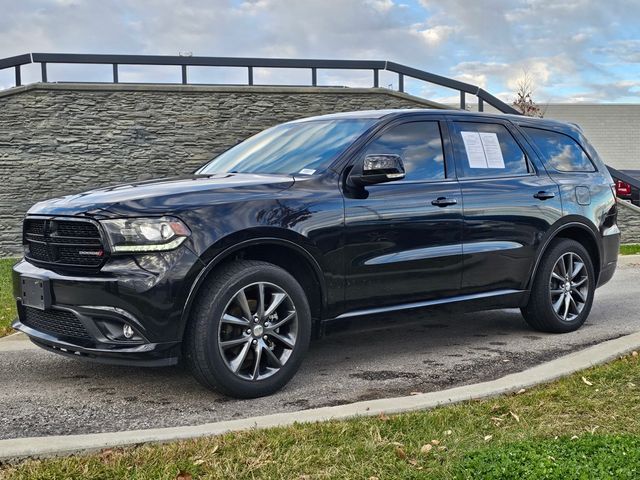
point(560, 152)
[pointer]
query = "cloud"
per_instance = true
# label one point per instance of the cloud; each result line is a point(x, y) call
point(568, 47)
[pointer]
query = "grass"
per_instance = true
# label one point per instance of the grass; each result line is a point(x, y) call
point(7, 303)
point(584, 426)
point(630, 249)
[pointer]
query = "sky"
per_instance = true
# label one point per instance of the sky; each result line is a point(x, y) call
point(572, 50)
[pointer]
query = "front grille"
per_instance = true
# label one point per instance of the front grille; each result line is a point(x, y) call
point(63, 242)
point(57, 322)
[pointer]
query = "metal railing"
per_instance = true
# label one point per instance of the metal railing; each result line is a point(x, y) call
point(375, 66)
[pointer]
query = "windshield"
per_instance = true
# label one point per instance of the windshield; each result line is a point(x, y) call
point(291, 148)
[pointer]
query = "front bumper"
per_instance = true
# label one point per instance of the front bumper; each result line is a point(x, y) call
point(87, 313)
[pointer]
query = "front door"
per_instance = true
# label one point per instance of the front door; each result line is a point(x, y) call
point(403, 238)
point(509, 203)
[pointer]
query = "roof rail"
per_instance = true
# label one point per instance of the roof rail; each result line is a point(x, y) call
point(250, 63)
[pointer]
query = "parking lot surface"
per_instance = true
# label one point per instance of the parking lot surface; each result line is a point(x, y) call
point(46, 394)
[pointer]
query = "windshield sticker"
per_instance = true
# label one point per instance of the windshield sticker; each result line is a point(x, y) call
point(307, 171)
point(483, 150)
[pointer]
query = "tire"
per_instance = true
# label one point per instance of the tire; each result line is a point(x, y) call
point(548, 309)
point(222, 353)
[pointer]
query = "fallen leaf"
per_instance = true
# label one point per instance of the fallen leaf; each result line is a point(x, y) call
point(521, 391)
point(448, 432)
point(182, 475)
point(397, 444)
point(435, 442)
point(383, 417)
point(634, 354)
point(442, 448)
point(412, 461)
point(587, 382)
point(426, 448)
point(401, 454)
point(515, 416)
point(488, 437)
point(198, 462)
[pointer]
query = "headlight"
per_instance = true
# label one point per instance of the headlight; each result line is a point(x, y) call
point(139, 235)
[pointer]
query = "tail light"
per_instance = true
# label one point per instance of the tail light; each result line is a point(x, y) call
point(623, 189)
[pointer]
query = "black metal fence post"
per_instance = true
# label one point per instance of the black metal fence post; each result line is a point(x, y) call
point(250, 73)
point(400, 82)
point(184, 74)
point(115, 73)
point(314, 77)
point(480, 105)
point(18, 76)
point(43, 69)
point(376, 78)
point(463, 101)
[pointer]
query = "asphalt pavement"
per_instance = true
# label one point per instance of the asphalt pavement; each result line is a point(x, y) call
point(45, 394)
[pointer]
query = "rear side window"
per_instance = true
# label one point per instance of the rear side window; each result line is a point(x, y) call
point(487, 150)
point(420, 146)
point(559, 151)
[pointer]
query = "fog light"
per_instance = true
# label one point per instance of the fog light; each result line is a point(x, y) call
point(127, 331)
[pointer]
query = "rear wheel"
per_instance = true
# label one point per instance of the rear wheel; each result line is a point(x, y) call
point(249, 330)
point(562, 291)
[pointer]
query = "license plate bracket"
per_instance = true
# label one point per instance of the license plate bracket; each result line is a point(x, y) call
point(36, 292)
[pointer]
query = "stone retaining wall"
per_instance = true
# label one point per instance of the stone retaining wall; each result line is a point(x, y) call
point(57, 139)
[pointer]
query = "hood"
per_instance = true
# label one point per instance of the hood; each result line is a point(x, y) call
point(164, 195)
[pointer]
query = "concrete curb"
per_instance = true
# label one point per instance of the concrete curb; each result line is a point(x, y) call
point(15, 449)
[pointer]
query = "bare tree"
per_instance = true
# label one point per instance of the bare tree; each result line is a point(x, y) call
point(524, 97)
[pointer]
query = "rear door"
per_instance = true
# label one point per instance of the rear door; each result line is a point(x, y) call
point(403, 239)
point(509, 203)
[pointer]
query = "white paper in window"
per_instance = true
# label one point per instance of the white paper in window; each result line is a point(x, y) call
point(474, 149)
point(492, 150)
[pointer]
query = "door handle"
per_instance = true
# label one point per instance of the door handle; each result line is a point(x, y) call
point(544, 195)
point(443, 202)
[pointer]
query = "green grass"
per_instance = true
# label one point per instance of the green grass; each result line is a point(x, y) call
point(530, 434)
point(630, 249)
point(7, 303)
point(562, 458)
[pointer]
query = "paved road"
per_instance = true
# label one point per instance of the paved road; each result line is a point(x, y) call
point(45, 394)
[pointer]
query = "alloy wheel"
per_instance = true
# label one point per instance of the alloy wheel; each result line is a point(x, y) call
point(258, 331)
point(569, 286)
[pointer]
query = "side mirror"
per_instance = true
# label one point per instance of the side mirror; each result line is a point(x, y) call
point(379, 168)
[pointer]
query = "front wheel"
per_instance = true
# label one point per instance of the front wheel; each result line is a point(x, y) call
point(562, 290)
point(249, 330)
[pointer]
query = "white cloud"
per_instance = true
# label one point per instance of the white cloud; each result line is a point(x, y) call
point(567, 46)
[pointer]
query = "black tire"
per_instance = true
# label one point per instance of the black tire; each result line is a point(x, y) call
point(541, 311)
point(207, 331)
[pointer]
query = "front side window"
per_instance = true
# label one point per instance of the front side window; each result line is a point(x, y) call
point(301, 148)
point(419, 145)
point(559, 151)
point(487, 150)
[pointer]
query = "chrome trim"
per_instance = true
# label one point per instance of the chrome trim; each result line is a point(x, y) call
point(483, 247)
point(428, 303)
point(416, 254)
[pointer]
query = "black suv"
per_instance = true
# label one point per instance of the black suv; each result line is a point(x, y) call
point(320, 220)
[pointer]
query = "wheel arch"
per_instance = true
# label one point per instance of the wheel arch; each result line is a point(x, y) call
point(576, 230)
point(289, 255)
